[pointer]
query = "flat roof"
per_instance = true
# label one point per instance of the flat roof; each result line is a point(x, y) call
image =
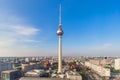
point(9, 71)
point(40, 78)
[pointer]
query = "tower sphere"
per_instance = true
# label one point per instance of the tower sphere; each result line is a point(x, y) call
point(60, 31)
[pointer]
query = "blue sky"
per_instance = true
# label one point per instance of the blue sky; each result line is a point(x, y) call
point(28, 27)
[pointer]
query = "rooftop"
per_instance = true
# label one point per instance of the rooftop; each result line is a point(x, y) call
point(8, 71)
point(39, 78)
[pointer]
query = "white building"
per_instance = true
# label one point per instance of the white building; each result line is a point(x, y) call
point(117, 64)
point(103, 72)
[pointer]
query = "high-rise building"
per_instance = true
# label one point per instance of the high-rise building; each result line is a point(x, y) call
point(27, 59)
point(60, 33)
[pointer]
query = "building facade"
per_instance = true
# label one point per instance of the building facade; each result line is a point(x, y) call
point(6, 66)
point(117, 64)
point(103, 72)
point(11, 75)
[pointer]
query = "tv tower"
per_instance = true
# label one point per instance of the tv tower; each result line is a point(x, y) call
point(60, 33)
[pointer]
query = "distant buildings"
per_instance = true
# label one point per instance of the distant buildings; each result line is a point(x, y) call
point(46, 63)
point(32, 69)
point(30, 66)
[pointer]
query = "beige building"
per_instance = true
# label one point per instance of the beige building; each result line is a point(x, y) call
point(27, 59)
point(102, 62)
point(26, 67)
point(31, 66)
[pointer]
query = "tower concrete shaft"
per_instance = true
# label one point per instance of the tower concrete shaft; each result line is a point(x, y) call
point(60, 55)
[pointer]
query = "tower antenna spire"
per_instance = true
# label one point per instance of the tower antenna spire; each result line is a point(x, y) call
point(60, 14)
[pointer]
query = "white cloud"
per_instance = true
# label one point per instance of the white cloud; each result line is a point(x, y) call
point(17, 35)
point(4, 43)
point(27, 31)
point(14, 31)
point(107, 45)
point(103, 46)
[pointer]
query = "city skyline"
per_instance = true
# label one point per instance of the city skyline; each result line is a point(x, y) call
point(28, 28)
